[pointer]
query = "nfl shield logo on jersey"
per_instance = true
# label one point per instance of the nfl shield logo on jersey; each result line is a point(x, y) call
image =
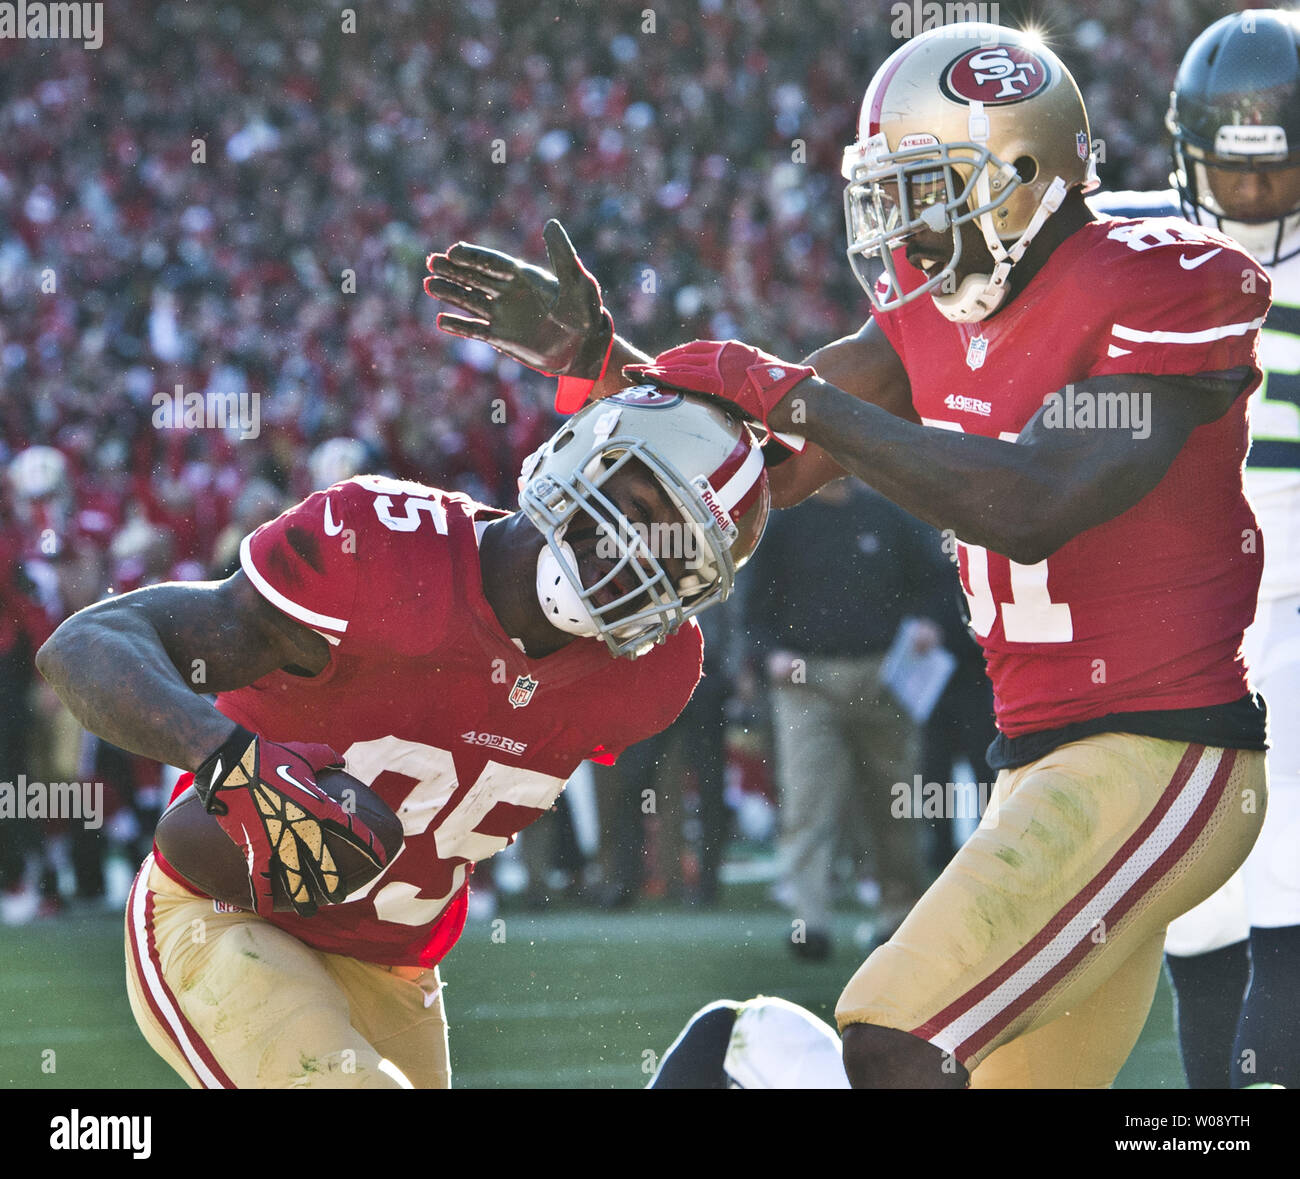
point(523, 691)
point(1081, 144)
point(976, 350)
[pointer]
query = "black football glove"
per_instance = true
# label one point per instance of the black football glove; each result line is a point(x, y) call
point(266, 799)
point(553, 322)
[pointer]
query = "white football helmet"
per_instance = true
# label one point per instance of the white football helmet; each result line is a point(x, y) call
point(711, 467)
point(969, 122)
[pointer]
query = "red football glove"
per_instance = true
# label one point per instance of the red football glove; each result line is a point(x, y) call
point(266, 799)
point(748, 378)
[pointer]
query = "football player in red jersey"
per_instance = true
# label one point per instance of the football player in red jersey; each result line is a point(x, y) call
point(1067, 396)
point(458, 660)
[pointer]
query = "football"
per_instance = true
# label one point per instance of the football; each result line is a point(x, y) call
point(199, 850)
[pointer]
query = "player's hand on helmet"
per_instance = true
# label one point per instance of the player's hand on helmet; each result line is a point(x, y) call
point(553, 322)
point(264, 796)
point(749, 379)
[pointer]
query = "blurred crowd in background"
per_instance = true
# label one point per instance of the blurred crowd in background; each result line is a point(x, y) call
point(237, 200)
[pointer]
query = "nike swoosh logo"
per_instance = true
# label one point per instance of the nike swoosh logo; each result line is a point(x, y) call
point(283, 772)
point(332, 529)
point(1186, 265)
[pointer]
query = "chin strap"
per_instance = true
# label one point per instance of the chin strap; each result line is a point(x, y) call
point(982, 294)
point(560, 601)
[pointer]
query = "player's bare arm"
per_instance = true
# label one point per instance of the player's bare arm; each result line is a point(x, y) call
point(1026, 498)
point(1023, 499)
point(125, 666)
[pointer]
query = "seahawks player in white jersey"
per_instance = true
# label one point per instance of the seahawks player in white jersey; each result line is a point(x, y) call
point(1235, 120)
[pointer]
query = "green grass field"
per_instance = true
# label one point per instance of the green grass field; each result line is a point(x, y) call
point(564, 999)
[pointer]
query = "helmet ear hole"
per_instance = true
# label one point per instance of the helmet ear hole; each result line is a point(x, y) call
point(1026, 168)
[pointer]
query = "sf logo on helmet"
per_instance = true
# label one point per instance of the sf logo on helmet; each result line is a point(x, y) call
point(1005, 73)
point(647, 396)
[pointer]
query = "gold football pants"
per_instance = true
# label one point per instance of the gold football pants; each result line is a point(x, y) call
point(231, 1001)
point(1033, 959)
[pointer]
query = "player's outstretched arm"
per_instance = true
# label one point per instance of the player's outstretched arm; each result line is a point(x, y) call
point(551, 320)
point(1026, 498)
point(1023, 499)
point(131, 668)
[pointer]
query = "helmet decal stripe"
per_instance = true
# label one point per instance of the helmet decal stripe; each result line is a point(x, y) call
point(744, 484)
point(881, 84)
point(747, 500)
point(721, 475)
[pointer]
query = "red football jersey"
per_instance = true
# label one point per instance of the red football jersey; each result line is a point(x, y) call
point(1147, 610)
point(430, 702)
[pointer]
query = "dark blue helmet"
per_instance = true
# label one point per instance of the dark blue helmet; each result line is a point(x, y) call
point(1236, 106)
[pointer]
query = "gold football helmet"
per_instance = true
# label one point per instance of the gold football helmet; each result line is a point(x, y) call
point(970, 122)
